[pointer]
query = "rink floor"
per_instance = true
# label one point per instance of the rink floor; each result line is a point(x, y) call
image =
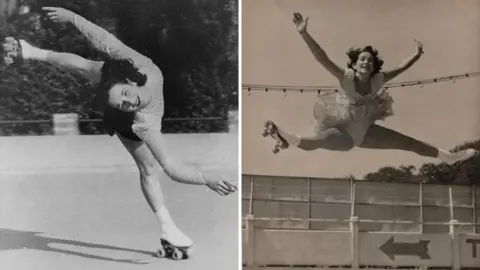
point(100, 220)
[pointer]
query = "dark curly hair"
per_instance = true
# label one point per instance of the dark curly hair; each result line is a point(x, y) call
point(115, 71)
point(121, 71)
point(354, 53)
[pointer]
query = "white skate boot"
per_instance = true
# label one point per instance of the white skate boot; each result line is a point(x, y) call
point(17, 51)
point(463, 155)
point(175, 244)
point(12, 49)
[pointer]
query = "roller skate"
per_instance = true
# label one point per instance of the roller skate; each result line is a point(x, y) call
point(12, 49)
point(167, 250)
point(175, 245)
point(272, 130)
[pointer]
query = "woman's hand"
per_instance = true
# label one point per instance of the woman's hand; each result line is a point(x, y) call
point(61, 15)
point(300, 23)
point(419, 47)
point(218, 184)
point(391, 74)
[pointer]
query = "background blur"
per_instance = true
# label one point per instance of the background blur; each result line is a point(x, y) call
point(194, 43)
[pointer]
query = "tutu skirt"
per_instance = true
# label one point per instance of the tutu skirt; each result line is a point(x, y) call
point(335, 109)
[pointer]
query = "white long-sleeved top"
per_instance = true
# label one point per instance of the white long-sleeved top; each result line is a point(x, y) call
point(147, 121)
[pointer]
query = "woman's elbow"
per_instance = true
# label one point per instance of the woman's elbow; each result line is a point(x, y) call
point(93, 70)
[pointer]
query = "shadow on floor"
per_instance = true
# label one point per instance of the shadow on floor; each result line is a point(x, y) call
point(15, 240)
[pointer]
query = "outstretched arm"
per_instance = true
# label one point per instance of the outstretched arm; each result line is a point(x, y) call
point(174, 168)
point(101, 39)
point(319, 54)
point(391, 74)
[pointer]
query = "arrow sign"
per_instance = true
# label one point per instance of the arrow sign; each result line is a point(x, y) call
point(392, 249)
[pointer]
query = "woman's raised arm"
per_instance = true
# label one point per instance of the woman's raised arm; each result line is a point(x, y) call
point(101, 39)
point(320, 55)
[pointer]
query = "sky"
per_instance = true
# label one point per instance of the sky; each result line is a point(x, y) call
point(442, 114)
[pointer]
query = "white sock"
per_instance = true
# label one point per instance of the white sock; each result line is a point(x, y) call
point(163, 216)
point(451, 158)
point(444, 155)
point(33, 53)
point(293, 140)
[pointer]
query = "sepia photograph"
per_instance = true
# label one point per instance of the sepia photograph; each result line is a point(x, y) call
point(119, 136)
point(360, 134)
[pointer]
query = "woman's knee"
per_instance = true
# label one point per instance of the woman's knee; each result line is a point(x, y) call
point(339, 139)
point(344, 147)
point(338, 142)
point(149, 169)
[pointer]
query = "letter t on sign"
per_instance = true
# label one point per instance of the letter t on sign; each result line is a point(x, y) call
point(474, 243)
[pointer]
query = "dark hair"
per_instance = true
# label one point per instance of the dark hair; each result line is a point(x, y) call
point(120, 71)
point(354, 53)
point(115, 71)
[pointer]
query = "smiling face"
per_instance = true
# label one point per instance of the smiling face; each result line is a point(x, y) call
point(364, 64)
point(125, 97)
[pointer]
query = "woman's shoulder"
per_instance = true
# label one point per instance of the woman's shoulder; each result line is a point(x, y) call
point(378, 81)
point(379, 75)
point(146, 119)
point(348, 74)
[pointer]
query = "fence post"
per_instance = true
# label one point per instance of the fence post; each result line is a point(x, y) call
point(250, 252)
point(65, 124)
point(232, 121)
point(455, 240)
point(355, 241)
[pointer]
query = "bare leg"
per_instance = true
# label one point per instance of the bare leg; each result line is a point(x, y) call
point(329, 139)
point(74, 63)
point(379, 137)
point(68, 61)
point(150, 174)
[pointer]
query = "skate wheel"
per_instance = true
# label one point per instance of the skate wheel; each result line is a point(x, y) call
point(265, 134)
point(8, 61)
point(276, 150)
point(161, 253)
point(177, 254)
point(189, 252)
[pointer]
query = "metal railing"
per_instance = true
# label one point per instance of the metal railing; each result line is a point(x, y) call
point(50, 121)
point(304, 196)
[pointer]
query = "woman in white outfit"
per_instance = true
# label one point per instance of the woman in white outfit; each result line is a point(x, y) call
point(132, 89)
point(346, 117)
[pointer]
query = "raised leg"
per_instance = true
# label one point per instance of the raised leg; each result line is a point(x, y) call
point(333, 139)
point(19, 50)
point(379, 137)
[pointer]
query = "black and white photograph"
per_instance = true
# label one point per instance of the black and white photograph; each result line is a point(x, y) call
point(360, 134)
point(119, 136)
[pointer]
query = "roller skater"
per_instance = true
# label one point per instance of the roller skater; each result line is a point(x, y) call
point(346, 118)
point(131, 87)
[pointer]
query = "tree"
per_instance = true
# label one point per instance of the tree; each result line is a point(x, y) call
point(37, 90)
point(193, 42)
point(391, 174)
